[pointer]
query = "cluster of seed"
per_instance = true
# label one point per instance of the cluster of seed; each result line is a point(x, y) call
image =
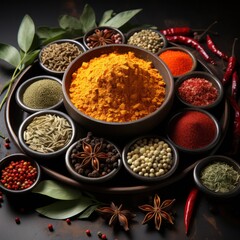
point(57, 56)
point(147, 39)
point(150, 157)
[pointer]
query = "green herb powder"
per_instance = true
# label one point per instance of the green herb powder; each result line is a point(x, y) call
point(42, 94)
point(220, 177)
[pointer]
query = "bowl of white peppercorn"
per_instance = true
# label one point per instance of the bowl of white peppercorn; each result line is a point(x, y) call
point(46, 134)
point(55, 57)
point(147, 38)
point(150, 158)
point(40, 93)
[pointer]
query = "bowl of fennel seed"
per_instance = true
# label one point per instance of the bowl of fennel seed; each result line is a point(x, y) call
point(46, 134)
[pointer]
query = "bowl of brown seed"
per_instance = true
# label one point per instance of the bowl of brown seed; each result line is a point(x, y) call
point(93, 159)
point(55, 57)
point(46, 134)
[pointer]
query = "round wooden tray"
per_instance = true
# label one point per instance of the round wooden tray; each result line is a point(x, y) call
point(123, 183)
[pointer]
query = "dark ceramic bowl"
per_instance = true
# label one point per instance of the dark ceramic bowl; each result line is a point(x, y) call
point(134, 37)
point(98, 33)
point(100, 176)
point(159, 168)
point(45, 149)
point(120, 129)
point(208, 190)
point(24, 86)
point(189, 135)
point(49, 64)
point(16, 157)
point(179, 61)
point(202, 98)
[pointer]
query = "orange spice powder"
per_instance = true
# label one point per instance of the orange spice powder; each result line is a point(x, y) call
point(117, 88)
point(178, 62)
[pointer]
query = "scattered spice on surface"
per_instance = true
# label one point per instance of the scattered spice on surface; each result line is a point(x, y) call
point(47, 133)
point(57, 56)
point(117, 88)
point(192, 130)
point(68, 221)
point(18, 175)
point(50, 227)
point(104, 36)
point(147, 39)
point(220, 177)
point(17, 220)
point(88, 232)
point(94, 157)
point(43, 93)
point(198, 91)
point(115, 214)
point(179, 62)
point(150, 157)
point(159, 212)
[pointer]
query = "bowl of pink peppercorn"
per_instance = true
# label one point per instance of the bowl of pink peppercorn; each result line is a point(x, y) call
point(199, 89)
point(19, 173)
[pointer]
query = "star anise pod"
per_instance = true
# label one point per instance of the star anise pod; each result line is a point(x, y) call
point(158, 211)
point(116, 214)
point(91, 155)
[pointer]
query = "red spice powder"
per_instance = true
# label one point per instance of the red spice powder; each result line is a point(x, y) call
point(192, 130)
point(178, 62)
point(198, 91)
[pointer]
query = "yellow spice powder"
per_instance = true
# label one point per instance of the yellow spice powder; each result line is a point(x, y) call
point(117, 88)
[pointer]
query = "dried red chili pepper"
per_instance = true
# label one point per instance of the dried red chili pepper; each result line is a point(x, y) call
point(189, 207)
point(192, 43)
point(236, 125)
point(230, 66)
point(212, 47)
point(235, 84)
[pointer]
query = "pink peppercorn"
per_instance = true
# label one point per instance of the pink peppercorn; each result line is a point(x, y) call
point(198, 91)
point(50, 227)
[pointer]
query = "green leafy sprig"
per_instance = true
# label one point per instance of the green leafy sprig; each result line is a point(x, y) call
point(69, 202)
point(30, 39)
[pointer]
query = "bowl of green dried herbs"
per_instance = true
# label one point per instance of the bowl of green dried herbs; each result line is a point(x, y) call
point(46, 134)
point(218, 176)
point(40, 93)
point(55, 57)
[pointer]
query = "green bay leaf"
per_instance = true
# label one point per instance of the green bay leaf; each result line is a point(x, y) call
point(10, 54)
point(106, 16)
point(87, 213)
point(65, 209)
point(88, 18)
point(26, 33)
point(57, 190)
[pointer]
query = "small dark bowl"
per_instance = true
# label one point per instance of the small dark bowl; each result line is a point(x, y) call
point(22, 88)
point(94, 179)
point(138, 31)
point(15, 157)
point(174, 157)
point(202, 75)
point(60, 72)
point(38, 155)
point(100, 29)
point(193, 150)
point(182, 49)
point(203, 163)
point(120, 129)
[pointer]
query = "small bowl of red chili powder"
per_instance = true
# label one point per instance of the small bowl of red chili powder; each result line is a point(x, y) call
point(199, 89)
point(19, 173)
point(179, 60)
point(194, 130)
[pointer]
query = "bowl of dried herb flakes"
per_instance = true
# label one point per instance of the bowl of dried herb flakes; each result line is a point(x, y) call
point(55, 57)
point(46, 134)
point(118, 90)
point(218, 176)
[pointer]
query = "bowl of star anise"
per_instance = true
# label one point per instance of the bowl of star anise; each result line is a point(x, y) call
point(103, 35)
point(93, 159)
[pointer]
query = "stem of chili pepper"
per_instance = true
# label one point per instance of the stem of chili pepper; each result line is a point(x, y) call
point(230, 66)
point(189, 207)
point(212, 47)
point(235, 84)
point(192, 43)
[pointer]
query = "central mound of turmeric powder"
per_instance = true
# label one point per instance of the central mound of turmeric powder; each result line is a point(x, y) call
point(117, 87)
